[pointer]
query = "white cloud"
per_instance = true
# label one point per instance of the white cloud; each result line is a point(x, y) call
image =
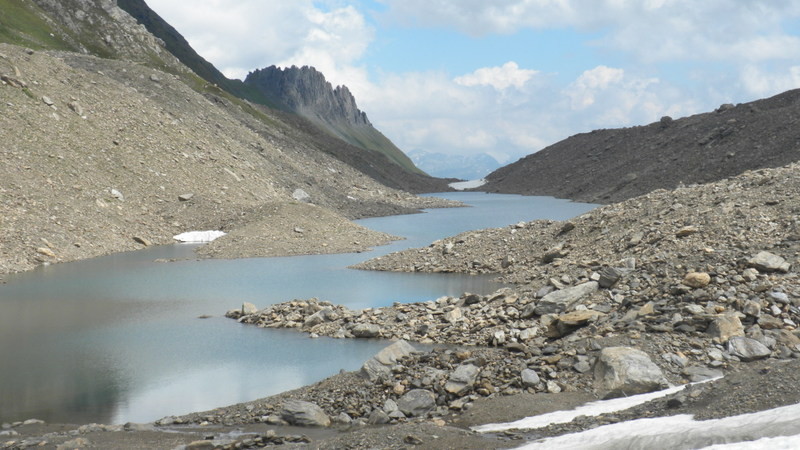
point(500, 78)
point(760, 83)
point(428, 111)
point(653, 30)
point(333, 44)
point(735, 49)
point(238, 36)
point(584, 89)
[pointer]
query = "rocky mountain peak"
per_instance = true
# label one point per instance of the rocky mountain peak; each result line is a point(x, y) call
point(306, 91)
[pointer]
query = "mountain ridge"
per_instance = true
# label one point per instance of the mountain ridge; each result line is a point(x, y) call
point(305, 91)
point(367, 138)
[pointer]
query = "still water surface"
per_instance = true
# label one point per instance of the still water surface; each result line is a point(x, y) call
point(117, 338)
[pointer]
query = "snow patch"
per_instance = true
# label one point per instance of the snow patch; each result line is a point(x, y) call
point(472, 184)
point(780, 426)
point(589, 409)
point(198, 237)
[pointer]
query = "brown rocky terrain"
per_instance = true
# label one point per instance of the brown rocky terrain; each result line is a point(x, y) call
point(611, 165)
point(702, 280)
point(103, 155)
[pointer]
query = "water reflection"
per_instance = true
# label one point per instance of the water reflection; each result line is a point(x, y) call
point(117, 338)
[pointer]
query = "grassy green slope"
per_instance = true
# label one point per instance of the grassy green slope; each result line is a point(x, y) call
point(370, 138)
point(23, 23)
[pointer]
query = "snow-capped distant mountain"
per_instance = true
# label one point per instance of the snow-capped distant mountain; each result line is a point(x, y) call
point(465, 167)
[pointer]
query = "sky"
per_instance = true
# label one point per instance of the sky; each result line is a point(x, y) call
point(509, 77)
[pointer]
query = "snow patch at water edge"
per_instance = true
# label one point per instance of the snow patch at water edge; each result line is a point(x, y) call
point(472, 184)
point(198, 237)
point(682, 431)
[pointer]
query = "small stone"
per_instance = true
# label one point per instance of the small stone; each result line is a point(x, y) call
point(462, 379)
point(249, 308)
point(304, 414)
point(366, 330)
point(769, 262)
point(76, 107)
point(379, 366)
point(144, 241)
point(185, 197)
point(582, 366)
point(687, 231)
point(698, 373)
point(471, 299)
point(623, 371)
point(725, 327)
point(453, 316)
point(697, 279)
point(417, 402)
point(747, 349)
point(301, 195)
point(530, 378)
point(569, 322)
point(46, 252)
point(412, 440)
point(559, 301)
point(609, 276)
point(751, 308)
point(378, 417)
point(343, 418)
point(750, 274)
point(779, 297)
point(566, 228)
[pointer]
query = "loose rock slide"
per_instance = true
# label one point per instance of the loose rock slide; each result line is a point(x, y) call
point(669, 287)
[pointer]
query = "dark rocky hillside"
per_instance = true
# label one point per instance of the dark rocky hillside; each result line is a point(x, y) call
point(606, 166)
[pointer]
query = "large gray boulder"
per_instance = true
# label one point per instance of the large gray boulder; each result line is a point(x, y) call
point(379, 367)
point(417, 402)
point(623, 371)
point(747, 349)
point(366, 330)
point(559, 301)
point(304, 414)
point(769, 262)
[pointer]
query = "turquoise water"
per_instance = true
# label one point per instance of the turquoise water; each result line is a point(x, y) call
point(117, 338)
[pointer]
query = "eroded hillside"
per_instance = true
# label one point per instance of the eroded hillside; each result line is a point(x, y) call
point(102, 155)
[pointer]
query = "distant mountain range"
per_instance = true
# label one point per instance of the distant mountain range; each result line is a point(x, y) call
point(464, 167)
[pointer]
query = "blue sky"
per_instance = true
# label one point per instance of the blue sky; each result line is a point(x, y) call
point(509, 77)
